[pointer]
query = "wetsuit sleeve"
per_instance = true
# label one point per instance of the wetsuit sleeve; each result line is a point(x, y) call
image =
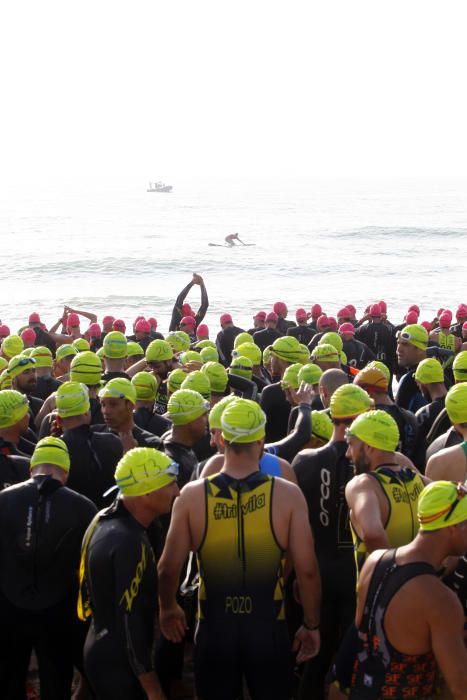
point(177, 309)
point(204, 305)
point(288, 447)
point(248, 389)
point(130, 561)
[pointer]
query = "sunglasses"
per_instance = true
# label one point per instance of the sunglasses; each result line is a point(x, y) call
point(403, 335)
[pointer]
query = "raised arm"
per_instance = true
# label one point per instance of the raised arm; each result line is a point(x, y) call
point(87, 314)
point(204, 301)
point(177, 309)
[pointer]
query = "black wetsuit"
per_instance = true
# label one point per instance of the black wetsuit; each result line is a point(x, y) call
point(46, 386)
point(177, 313)
point(152, 422)
point(225, 342)
point(41, 527)
point(323, 475)
point(408, 395)
point(93, 458)
point(425, 417)
point(143, 437)
point(107, 376)
point(358, 354)
point(14, 468)
point(120, 581)
point(298, 436)
point(379, 338)
point(44, 339)
point(265, 337)
point(407, 425)
point(283, 325)
point(277, 410)
point(302, 333)
point(448, 439)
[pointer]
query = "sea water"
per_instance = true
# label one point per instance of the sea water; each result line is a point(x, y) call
point(109, 246)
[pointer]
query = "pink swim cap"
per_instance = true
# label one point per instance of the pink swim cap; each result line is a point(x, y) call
point(119, 325)
point(152, 322)
point(375, 310)
point(322, 322)
point(300, 315)
point(272, 316)
point(34, 317)
point(73, 321)
point(316, 310)
point(94, 330)
point(28, 335)
point(4, 331)
point(142, 326)
point(202, 330)
point(225, 318)
point(346, 328)
point(411, 317)
point(280, 308)
point(445, 320)
point(261, 315)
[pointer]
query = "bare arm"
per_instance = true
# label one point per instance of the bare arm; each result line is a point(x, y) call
point(151, 686)
point(87, 314)
point(446, 620)
point(365, 513)
point(137, 367)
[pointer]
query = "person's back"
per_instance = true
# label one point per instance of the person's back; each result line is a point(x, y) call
point(277, 409)
point(13, 469)
point(151, 422)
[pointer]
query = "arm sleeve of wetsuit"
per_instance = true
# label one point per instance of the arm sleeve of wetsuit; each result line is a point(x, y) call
point(130, 561)
point(288, 447)
point(248, 388)
point(204, 305)
point(177, 309)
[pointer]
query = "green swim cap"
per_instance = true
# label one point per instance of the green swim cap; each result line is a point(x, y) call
point(377, 429)
point(185, 406)
point(198, 381)
point(217, 410)
point(12, 345)
point(217, 375)
point(51, 450)
point(86, 368)
point(3, 364)
point(243, 421)
point(143, 470)
point(250, 350)
point(159, 351)
point(190, 356)
point(267, 354)
point(27, 352)
point(179, 341)
point(205, 344)
point(241, 366)
point(81, 344)
point(290, 378)
point(332, 339)
point(63, 351)
point(325, 353)
point(115, 346)
point(441, 504)
point(343, 357)
point(429, 371)
point(42, 356)
point(100, 353)
point(310, 374)
point(175, 379)
point(304, 354)
point(145, 385)
point(415, 334)
point(456, 403)
point(72, 399)
point(377, 364)
point(321, 426)
point(134, 349)
point(241, 338)
point(5, 380)
point(459, 366)
point(13, 407)
point(287, 348)
point(209, 355)
point(349, 401)
point(19, 364)
point(119, 388)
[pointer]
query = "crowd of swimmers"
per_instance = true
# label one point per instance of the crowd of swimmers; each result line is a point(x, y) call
point(280, 508)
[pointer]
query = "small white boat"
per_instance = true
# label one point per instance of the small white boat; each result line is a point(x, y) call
point(159, 187)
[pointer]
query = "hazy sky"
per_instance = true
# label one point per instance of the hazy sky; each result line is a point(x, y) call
point(214, 87)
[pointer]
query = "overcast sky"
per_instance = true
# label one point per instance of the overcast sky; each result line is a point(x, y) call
point(233, 88)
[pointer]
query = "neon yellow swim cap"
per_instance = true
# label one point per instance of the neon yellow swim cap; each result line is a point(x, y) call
point(205, 344)
point(217, 375)
point(198, 381)
point(209, 354)
point(143, 470)
point(179, 341)
point(287, 348)
point(333, 339)
point(441, 504)
point(119, 388)
point(216, 411)
point(5, 380)
point(13, 407)
point(241, 338)
point(19, 364)
point(414, 334)
point(51, 450)
point(290, 378)
point(190, 356)
point(377, 429)
point(185, 406)
point(86, 368)
point(243, 421)
point(325, 353)
point(250, 350)
point(159, 351)
point(12, 345)
point(310, 374)
point(145, 385)
point(134, 349)
point(175, 379)
point(459, 366)
point(66, 350)
point(377, 364)
point(81, 344)
point(429, 371)
point(72, 399)
point(321, 426)
point(115, 346)
point(241, 366)
point(349, 401)
point(371, 379)
point(304, 354)
point(267, 354)
point(3, 364)
point(456, 403)
point(42, 356)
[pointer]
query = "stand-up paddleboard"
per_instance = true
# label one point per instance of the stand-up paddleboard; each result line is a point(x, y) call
point(224, 245)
